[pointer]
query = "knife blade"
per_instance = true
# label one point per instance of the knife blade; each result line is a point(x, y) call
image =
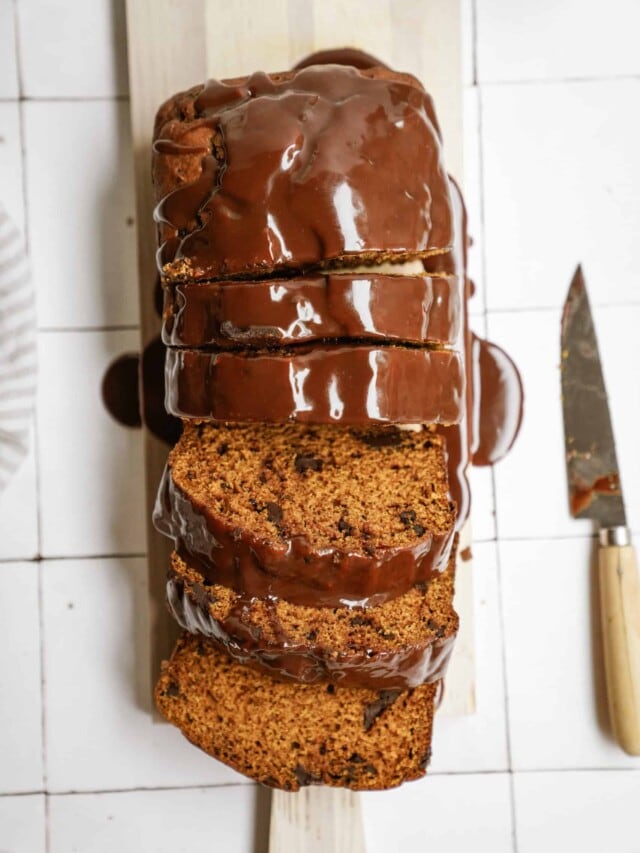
point(595, 492)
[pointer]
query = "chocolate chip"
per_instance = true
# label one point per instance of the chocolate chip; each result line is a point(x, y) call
point(424, 761)
point(307, 462)
point(322, 749)
point(345, 527)
point(331, 688)
point(407, 517)
point(419, 530)
point(274, 512)
point(385, 699)
point(357, 621)
point(354, 758)
point(369, 768)
point(312, 636)
point(304, 777)
point(172, 689)
point(428, 444)
point(270, 782)
point(223, 448)
point(295, 745)
point(386, 438)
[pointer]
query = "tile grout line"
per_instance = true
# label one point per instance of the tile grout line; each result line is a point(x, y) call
point(25, 203)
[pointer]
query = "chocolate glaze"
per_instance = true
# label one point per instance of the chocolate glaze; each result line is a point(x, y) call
point(498, 402)
point(296, 170)
point(293, 570)
point(272, 312)
point(341, 56)
point(120, 390)
point(399, 669)
point(351, 385)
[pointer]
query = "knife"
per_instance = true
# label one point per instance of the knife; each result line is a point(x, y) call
point(595, 492)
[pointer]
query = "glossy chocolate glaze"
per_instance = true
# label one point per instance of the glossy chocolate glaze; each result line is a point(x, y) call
point(280, 312)
point(350, 385)
point(341, 56)
point(498, 402)
point(296, 170)
point(293, 570)
point(402, 668)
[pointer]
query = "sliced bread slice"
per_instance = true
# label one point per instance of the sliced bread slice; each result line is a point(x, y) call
point(315, 515)
point(287, 735)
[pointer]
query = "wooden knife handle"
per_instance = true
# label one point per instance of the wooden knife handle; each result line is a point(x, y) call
point(620, 613)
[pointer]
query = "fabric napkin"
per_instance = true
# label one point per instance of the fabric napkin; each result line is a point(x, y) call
point(17, 349)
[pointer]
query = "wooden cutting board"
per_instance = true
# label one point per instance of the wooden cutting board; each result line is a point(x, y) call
point(174, 44)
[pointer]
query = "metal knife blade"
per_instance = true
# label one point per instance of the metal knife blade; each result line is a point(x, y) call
point(592, 466)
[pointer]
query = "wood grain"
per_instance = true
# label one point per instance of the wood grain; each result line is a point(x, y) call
point(620, 614)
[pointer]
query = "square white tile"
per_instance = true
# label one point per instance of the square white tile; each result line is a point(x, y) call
point(586, 811)
point(479, 742)
point(196, 820)
point(99, 732)
point(19, 511)
point(73, 50)
point(522, 40)
point(451, 814)
point(555, 680)
point(8, 61)
point(531, 485)
point(91, 468)
point(21, 706)
point(561, 186)
point(22, 824)
point(81, 212)
point(11, 159)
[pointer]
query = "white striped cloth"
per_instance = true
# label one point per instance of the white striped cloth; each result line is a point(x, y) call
point(17, 349)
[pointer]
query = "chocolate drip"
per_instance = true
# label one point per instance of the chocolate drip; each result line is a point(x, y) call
point(498, 402)
point(281, 312)
point(292, 570)
point(401, 668)
point(303, 168)
point(351, 385)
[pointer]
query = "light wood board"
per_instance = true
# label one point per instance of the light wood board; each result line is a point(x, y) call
point(174, 44)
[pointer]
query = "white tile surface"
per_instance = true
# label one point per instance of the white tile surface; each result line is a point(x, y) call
point(81, 209)
point(11, 194)
point(548, 39)
point(100, 735)
point(8, 62)
point(19, 512)
point(21, 706)
point(589, 812)
point(72, 49)
point(91, 468)
point(22, 824)
point(556, 699)
point(196, 820)
point(450, 814)
point(478, 742)
point(531, 497)
point(561, 186)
